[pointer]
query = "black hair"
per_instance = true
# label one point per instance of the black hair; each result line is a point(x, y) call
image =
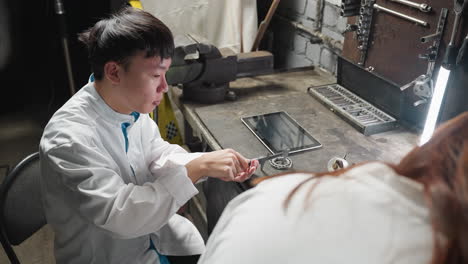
point(122, 35)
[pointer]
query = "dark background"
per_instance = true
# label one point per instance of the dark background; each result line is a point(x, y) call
point(35, 77)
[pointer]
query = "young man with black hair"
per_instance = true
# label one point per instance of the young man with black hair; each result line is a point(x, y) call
point(111, 184)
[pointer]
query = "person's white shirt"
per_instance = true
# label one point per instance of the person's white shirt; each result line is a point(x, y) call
point(110, 183)
point(367, 215)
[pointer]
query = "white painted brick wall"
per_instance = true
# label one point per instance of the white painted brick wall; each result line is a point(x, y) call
point(328, 60)
point(334, 2)
point(330, 15)
point(313, 52)
point(293, 47)
point(311, 9)
point(300, 43)
point(294, 60)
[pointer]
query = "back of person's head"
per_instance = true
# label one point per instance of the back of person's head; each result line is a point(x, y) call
point(442, 166)
point(124, 34)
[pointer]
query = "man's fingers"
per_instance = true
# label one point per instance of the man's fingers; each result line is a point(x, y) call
point(238, 167)
point(241, 177)
point(242, 160)
point(230, 174)
point(254, 163)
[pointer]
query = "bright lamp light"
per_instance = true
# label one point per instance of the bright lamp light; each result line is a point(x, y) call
point(434, 107)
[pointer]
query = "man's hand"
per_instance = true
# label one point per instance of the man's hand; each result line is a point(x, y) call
point(227, 165)
point(244, 175)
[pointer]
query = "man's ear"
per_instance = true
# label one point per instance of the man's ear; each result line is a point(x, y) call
point(111, 72)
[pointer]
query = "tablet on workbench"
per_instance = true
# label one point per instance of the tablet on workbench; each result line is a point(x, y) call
point(279, 131)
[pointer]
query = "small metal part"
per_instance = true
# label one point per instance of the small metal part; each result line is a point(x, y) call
point(337, 163)
point(401, 15)
point(350, 28)
point(423, 87)
point(422, 7)
point(261, 160)
point(429, 37)
point(281, 163)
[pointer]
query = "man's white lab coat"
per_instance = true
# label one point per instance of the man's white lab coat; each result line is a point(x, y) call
point(110, 183)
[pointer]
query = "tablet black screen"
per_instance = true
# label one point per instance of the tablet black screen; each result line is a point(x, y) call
point(278, 131)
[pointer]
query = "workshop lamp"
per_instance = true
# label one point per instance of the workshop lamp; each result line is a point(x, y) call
point(449, 62)
point(434, 107)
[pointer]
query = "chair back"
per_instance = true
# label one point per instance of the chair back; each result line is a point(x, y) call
point(21, 210)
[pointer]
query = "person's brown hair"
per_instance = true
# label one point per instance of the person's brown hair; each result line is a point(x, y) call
point(441, 165)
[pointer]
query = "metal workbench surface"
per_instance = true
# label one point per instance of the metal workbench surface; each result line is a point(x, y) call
point(220, 124)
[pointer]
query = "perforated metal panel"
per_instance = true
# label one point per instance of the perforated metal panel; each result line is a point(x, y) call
point(367, 118)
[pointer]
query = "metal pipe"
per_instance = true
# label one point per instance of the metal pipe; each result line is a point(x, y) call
point(398, 14)
point(60, 11)
point(328, 41)
point(422, 7)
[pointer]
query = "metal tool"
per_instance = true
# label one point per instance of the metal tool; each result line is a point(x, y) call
point(437, 36)
point(284, 154)
point(423, 85)
point(359, 113)
point(452, 51)
point(281, 163)
point(205, 78)
point(364, 28)
point(401, 15)
point(422, 7)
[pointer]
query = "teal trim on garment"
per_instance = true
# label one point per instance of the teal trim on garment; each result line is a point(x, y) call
point(124, 126)
point(162, 259)
point(91, 78)
point(124, 131)
point(135, 115)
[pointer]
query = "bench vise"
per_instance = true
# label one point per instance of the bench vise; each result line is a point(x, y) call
point(204, 73)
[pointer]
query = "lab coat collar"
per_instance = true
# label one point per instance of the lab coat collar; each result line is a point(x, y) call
point(108, 113)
